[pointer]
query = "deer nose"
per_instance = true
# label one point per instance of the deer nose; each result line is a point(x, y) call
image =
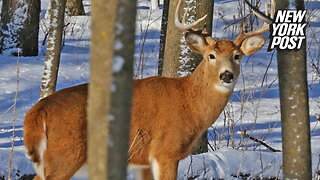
point(226, 76)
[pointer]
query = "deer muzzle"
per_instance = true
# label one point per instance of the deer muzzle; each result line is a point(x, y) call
point(226, 76)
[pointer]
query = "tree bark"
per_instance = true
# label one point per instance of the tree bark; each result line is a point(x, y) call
point(172, 48)
point(178, 59)
point(99, 88)
point(20, 27)
point(163, 34)
point(203, 7)
point(294, 107)
point(75, 8)
point(123, 87)
point(51, 68)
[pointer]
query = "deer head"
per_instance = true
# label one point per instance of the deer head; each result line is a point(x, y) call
point(222, 57)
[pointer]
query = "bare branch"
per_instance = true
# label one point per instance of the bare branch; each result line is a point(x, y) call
point(258, 141)
point(264, 17)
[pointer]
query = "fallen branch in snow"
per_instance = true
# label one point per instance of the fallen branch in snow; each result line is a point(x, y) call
point(258, 141)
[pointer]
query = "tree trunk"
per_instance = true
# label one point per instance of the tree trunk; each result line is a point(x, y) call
point(50, 74)
point(163, 34)
point(203, 8)
point(178, 59)
point(75, 8)
point(121, 95)
point(294, 107)
point(172, 48)
point(99, 89)
point(20, 30)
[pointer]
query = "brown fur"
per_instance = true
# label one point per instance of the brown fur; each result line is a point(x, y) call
point(64, 116)
point(168, 117)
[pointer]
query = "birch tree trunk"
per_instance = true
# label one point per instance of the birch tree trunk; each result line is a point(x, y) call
point(51, 67)
point(75, 8)
point(294, 107)
point(20, 27)
point(99, 89)
point(122, 91)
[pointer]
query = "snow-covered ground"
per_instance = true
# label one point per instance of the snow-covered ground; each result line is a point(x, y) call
point(254, 106)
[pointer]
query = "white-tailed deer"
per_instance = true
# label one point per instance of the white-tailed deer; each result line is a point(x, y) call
point(169, 114)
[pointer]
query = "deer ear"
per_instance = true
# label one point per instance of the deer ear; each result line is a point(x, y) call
point(196, 41)
point(252, 44)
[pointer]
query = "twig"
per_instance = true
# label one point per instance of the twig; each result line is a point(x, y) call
point(210, 146)
point(45, 38)
point(258, 141)
point(190, 167)
point(5, 112)
point(278, 174)
point(235, 22)
point(266, 72)
point(14, 117)
point(317, 170)
point(264, 169)
point(318, 119)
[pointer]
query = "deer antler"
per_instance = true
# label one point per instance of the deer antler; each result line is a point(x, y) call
point(264, 17)
point(182, 25)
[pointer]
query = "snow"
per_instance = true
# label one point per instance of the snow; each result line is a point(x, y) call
point(254, 107)
point(117, 64)
point(228, 161)
point(184, 48)
point(154, 4)
point(118, 45)
point(46, 74)
point(14, 27)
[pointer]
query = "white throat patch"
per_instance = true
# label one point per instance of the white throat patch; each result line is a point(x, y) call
point(225, 87)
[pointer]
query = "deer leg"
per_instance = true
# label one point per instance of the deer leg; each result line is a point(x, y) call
point(62, 166)
point(164, 169)
point(147, 174)
point(137, 173)
point(141, 172)
point(58, 172)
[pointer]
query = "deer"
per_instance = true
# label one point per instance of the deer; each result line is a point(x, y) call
point(169, 115)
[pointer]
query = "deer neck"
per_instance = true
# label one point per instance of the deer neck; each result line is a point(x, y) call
point(204, 98)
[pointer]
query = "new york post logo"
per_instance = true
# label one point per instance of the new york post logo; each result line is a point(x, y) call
point(287, 32)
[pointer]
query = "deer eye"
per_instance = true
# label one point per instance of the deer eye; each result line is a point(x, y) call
point(237, 57)
point(211, 56)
